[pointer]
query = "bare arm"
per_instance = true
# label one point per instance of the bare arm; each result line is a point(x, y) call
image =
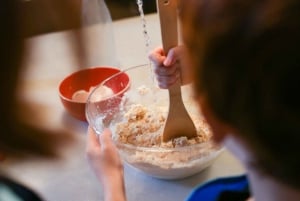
point(104, 159)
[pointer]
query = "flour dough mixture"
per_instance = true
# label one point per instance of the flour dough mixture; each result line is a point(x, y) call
point(144, 126)
point(139, 138)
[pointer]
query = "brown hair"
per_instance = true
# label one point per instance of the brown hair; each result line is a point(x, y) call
point(19, 138)
point(246, 60)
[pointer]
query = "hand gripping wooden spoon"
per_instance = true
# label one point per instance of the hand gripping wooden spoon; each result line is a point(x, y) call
point(178, 122)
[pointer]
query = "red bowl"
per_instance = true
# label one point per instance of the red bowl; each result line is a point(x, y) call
point(82, 80)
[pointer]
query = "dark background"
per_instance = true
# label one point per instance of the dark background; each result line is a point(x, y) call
point(127, 8)
point(39, 19)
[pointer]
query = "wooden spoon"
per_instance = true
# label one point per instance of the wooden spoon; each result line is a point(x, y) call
point(178, 122)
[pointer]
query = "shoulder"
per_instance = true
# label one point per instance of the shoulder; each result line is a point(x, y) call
point(227, 188)
point(13, 191)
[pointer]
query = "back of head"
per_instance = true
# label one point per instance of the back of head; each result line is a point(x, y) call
point(246, 60)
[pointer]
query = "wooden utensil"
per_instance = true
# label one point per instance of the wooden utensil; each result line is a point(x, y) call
point(178, 122)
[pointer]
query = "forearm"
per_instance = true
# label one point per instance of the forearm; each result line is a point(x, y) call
point(114, 189)
point(103, 157)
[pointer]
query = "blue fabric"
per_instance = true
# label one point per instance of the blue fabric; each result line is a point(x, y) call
point(223, 189)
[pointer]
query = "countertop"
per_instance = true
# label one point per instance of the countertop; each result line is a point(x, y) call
point(71, 179)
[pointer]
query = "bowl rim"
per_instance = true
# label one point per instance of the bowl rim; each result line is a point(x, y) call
point(104, 81)
point(78, 71)
point(122, 71)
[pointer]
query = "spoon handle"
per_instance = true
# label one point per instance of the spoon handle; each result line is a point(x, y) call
point(178, 122)
point(167, 10)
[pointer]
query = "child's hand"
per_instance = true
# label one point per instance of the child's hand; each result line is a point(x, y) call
point(104, 159)
point(166, 68)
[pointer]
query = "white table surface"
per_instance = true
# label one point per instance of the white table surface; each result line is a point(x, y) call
point(70, 179)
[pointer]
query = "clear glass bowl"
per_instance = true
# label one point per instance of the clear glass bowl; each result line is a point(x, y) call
point(135, 113)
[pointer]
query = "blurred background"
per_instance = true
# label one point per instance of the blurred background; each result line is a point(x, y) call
point(128, 8)
point(44, 16)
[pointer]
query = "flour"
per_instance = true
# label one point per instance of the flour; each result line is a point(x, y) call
point(139, 138)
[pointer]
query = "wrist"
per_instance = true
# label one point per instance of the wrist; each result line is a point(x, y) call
point(113, 187)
